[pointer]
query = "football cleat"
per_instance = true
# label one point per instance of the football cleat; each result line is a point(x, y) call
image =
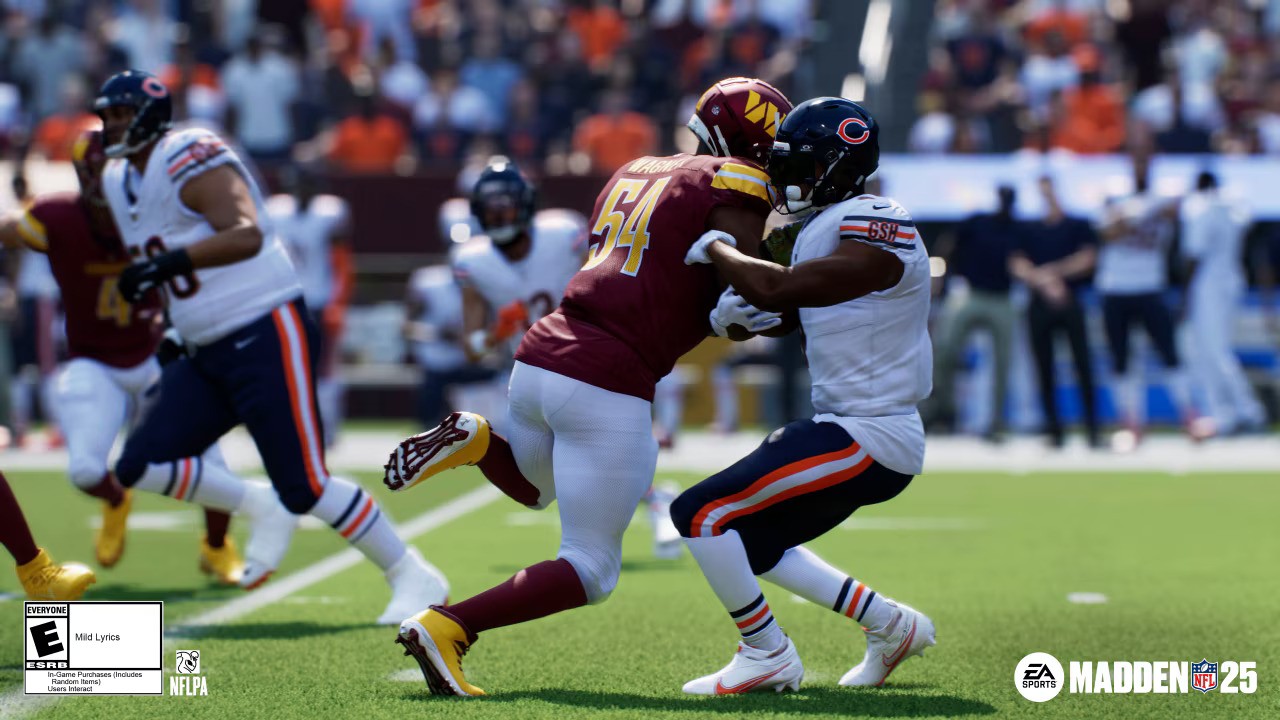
point(43, 580)
point(109, 542)
point(271, 527)
point(415, 584)
point(223, 563)
point(667, 543)
point(908, 633)
point(753, 670)
point(462, 439)
point(438, 643)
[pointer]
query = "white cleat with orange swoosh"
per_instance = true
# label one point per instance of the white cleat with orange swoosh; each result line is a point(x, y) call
point(908, 633)
point(753, 670)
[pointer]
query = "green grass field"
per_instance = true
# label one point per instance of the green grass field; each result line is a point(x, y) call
point(1188, 565)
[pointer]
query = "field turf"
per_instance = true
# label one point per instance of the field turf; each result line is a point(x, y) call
point(1187, 564)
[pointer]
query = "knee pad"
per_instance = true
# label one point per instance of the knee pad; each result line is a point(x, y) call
point(129, 469)
point(598, 568)
point(86, 472)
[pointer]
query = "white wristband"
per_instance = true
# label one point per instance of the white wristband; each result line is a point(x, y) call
point(478, 342)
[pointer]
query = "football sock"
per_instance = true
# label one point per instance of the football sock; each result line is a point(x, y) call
point(216, 523)
point(14, 533)
point(193, 480)
point(354, 514)
point(724, 562)
point(809, 576)
point(500, 468)
point(108, 489)
point(537, 591)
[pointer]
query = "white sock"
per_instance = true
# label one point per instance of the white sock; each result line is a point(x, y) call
point(726, 397)
point(193, 480)
point(1179, 386)
point(1126, 397)
point(809, 576)
point(724, 562)
point(354, 514)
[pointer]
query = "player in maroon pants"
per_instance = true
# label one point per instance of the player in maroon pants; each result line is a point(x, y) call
point(582, 389)
point(40, 577)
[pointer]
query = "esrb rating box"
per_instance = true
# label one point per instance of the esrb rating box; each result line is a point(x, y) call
point(93, 648)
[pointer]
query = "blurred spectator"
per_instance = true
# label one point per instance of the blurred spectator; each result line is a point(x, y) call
point(1091, 117)
point(449, 114)
point(977, 54)
point(490, 73)
point(1055, 260)
point(1057, 16)
point(599, 28)
point(145, 32)
point(57, 133)
point(524, 137)
point(369, 141)
point(195, 86)
point(1267, 122)
point(401, 81)
point(1141, 36)
point(1047, 71)
point(378, 19)
point(615, 135)
point(45, 61)
point(1200, 52)
point(261, 86)
point(1184, 114)
point(978, 253)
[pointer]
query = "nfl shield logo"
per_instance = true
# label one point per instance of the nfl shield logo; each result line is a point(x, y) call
point(1204, 675)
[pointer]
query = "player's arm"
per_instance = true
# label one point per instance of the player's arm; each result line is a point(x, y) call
point(854, 269)
point(222, 197)
point(476, 340)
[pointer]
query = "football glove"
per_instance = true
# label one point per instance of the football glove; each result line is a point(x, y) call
point(139, 278)
point(732, 309)
point(778, 244)
point(698, 251)
point(512, 318)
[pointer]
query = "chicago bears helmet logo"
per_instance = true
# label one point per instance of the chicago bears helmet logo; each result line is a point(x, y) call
point(154, 88)
point(843, 131)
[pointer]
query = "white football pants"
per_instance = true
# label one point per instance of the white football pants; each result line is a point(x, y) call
point(1215, 367)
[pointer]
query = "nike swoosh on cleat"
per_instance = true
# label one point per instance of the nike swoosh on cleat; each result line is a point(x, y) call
point(746, 685)
point(891, 661)
point(879, 206)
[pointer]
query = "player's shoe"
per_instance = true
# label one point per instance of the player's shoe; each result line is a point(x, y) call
point(1200, 428)
point(438, 643)
point(271, 527)
point(108, 545)
point(753, 670)
point(908, 633)
point(223, 563)
point(43, 580)
point(667, 543)
point(415, 584)
point(462, 439)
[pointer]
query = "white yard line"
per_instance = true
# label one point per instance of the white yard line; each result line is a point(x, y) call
point(14, 704)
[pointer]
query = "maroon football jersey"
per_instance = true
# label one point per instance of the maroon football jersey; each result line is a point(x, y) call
point(635, 307)
point(100, 324)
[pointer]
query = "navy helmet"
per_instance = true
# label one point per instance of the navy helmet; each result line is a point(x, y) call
point(829, 145)
point(503, 200)
point(151, 103)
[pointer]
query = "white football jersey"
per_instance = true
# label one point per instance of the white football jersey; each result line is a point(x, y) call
point(1136, 263)
point(435, 288)
point(1213, 233)
point(539, 279)
point(148, 210)
point(308, 237)
point(870, 358)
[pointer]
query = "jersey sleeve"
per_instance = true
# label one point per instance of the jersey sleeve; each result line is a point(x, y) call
point(31, 228)
point(880, 222)
point(195, 152)
point(741, 185)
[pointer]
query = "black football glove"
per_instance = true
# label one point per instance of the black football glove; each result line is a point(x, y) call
point(139, 278)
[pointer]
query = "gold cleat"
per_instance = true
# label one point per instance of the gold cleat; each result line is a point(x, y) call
point(43, 580)
point(438, 643)
point(462, 439)
point(109, 543)
point(223, 563)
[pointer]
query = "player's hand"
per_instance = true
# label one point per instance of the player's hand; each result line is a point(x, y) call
point(512, 318)
point(778, 244)
point(698, 252)
point(170, 347)
point(732, 309)
point(139, 278)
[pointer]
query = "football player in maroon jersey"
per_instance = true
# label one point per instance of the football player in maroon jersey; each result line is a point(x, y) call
point(582, 389)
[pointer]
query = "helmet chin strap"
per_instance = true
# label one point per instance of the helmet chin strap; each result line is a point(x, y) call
point(504, 235)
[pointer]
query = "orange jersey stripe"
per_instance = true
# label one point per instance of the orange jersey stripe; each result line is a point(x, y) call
point(863, 229)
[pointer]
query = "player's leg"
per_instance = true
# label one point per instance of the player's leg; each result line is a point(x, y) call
point(1117, 315)
point(1041, 326)
point(668, 404)
point(40, 577)
point(1157, 320)
point(219, 556)
point(955, 326)
point(1001, 318)
point(1073, 321)
point(1233, 402)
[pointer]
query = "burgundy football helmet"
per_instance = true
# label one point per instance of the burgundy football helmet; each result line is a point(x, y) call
point(89, 157)
point(738, 117)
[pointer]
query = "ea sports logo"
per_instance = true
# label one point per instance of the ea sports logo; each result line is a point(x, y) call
point(844, 131)
point(1039, 677)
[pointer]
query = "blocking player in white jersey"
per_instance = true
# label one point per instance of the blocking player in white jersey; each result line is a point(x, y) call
point(316, 228)
point(1132, 274)
point(858, 274)
point(1213, 232)
point(195, 221)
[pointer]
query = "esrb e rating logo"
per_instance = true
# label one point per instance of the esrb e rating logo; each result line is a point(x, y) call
point(93, 648)
point(187, 680)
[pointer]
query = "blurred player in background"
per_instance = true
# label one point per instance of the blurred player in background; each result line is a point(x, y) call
point(34, 351)
point(112, 346)
point(858, 274)
point(1213, 232)
point(1132, 275)
point(197, 223)
point(40, 577)
point(580, 428)
point(316, 230)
